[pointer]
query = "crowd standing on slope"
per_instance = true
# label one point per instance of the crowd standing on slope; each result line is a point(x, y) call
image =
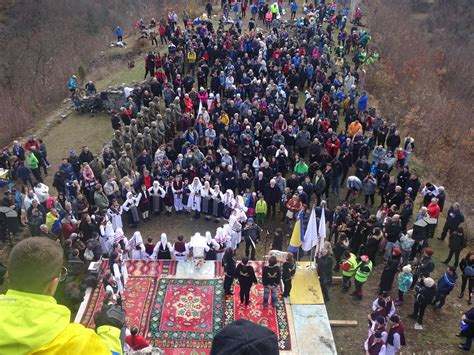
point(240, 124)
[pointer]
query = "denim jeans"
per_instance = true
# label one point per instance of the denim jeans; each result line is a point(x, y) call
point(266, 292)
point(335, 184)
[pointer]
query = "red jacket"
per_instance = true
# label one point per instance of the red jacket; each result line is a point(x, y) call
point(434, 210)
point(333, 150)
point(32, 144)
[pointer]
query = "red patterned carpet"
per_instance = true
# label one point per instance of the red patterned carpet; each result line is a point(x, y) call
point(181, 316)
point(273, 318)
point(186, 313)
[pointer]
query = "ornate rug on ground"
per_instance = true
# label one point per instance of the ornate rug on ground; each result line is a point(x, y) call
point(186, 313)
point(180, 315)
point(273, 318)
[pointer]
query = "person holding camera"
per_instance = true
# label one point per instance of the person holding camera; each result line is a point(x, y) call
point(30, 318)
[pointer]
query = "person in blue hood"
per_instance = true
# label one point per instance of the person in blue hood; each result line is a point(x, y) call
point(445, 286)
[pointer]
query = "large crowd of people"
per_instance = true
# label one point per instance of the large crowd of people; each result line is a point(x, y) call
point(238, 125)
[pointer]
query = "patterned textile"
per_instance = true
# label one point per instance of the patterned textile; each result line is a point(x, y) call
point(155, 268)
point(139, 297)
point(181, 316)
point(186, 313)
point(272, 318)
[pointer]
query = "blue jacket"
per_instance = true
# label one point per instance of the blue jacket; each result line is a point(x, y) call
point(119, 31)
point(72, 83)
point(294, 6)
point(446, 283)
point(362, 104)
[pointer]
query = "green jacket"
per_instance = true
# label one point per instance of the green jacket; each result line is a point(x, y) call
point(363, 271)
point(301, 168)
point(261, 207)
point(36, 324)
point(349, 266)
point(32, 161)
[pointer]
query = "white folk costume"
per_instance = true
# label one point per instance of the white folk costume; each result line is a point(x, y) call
point(115, 215)
point(162, 249)
point(120, 272)
point(217, 204)
point(229, 203)
point(211, 247)
point(130, 206)
point(235, 230)
point(119, 238)
point(177, 188)
point(198, 243)
point(181, 250)
point(106, 238)
point(167, 197)
point(136, 247)
point(223, 241)
point(206, 199)
point(156, 191)
point(194, 201)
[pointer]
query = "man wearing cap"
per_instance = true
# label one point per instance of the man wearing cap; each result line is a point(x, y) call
point(362, 274)
point(396, 336)
point(348, 268)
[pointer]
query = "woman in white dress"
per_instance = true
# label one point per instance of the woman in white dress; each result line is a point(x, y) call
point(206, 200)
point(119, 270)
point(229, 203)
point(211, 248)
point(115, 214)
point(194, 201)
point(223, 241)
point(156, 191)
point(136, 247)
point(130, 206)
point(122, 241)
point(162, 249)
point(107, 233)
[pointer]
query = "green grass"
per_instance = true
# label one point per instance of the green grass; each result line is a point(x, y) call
point(122, 75)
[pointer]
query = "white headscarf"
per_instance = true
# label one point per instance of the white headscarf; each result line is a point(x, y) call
point(118, 235)
point(208, 237)
point(164, 239)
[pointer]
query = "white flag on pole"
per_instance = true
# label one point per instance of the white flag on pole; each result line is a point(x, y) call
point(311, 233)
point(322, 230)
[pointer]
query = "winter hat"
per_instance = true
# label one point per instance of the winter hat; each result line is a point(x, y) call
point(245, 337)
point(429, 251)
point(429, 282)
point(407, 268)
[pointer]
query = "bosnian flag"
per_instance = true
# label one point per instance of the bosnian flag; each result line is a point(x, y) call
point(297, 236)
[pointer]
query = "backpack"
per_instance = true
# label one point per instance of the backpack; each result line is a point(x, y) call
point(469, 271)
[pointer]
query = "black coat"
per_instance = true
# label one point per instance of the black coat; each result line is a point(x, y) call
point(389, 272)
point(246, 275)
point(457, 241)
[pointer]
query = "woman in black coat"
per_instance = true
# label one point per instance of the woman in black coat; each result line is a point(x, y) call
point(228, 262)
point(389, 271)
point(457, 242)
